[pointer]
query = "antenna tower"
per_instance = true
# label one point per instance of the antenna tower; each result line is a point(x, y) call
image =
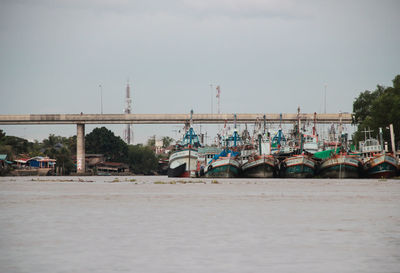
point(128, 132)
point(219, 98)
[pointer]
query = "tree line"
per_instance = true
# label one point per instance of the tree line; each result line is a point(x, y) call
point(378, 108)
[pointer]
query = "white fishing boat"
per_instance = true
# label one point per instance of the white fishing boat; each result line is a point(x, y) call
point(183, 161)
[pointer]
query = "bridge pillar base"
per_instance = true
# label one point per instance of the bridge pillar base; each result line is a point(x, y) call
point(80, 149)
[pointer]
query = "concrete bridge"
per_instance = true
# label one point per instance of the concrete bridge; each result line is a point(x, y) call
point(81, 119)
point(167, 118)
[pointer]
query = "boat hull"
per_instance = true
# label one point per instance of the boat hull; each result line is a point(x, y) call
point(223, 168)
point(264, 167)
point(178, 171)
point(341, 166)
point(298, 167)
point(182, 163)
point(381, 166)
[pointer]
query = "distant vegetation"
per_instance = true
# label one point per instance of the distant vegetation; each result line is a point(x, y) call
point(141, 159)
point(378, 108)
point(103, 141)
point(57, 147)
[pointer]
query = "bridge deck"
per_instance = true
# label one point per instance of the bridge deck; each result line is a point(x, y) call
point(165, 118)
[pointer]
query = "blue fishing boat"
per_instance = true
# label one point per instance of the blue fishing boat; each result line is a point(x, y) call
point(226, 164)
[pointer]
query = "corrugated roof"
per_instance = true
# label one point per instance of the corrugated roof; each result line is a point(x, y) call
point(3, 156)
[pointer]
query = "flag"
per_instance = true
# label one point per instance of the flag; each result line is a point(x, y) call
point(218, 92)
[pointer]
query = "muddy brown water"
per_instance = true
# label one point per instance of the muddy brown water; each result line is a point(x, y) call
point(158, 224)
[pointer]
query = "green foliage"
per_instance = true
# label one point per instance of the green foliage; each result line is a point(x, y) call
point(12, 145)
point(59, 148)
point(141, 159)
point(56, 147)
point(103, 141)
point(151, 142)
point(377, 109)
point(167, 141)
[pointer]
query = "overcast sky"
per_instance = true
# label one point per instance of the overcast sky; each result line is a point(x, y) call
point(267, 56)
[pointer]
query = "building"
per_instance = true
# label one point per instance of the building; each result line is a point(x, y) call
point(42, 162)
point(111, 167)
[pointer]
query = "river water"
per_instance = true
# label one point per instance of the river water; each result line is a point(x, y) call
point(157, 224)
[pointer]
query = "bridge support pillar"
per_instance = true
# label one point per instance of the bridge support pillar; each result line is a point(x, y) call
point(80, 149)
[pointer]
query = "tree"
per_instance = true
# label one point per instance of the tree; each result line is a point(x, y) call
point(103, 141)
point(12, 145)
point(57, 147)
point(2, 135)
point(151, 142)
point(363, 104)
point(141, 159)
point(64, 160)
point(167, 141)
point(396, 82)
point(378, 109)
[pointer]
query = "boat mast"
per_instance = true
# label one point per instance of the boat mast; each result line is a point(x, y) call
point(265, 124)
point(191, 128)
point(190, 138)
point(314, 129)
point(298, 124)
point(234, 132)
point(381, 139)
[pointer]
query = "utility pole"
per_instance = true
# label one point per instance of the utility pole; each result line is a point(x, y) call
point(211, 89)
point(219, 97)
point(128, 101)
point(392, 139)
point(101, 97)
point(325, 100)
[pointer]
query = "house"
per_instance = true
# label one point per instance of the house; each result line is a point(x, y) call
point(42, 162)
point(111, 167)
point(93, 159)
point(21, 162)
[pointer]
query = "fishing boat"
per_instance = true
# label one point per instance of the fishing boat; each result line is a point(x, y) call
point(377, 163)
point(183, 161)
point(381, 166)
point(341, 165)
point(259, 163)
point(226, 164)
point(311, 144)
point(260, 166)
point(338, 163)
point(298, 166)
point(205, 154)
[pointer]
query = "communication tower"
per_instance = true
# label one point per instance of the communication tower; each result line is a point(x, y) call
point(128, 132)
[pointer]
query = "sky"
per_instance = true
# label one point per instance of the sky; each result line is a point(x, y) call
point(266, 56)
